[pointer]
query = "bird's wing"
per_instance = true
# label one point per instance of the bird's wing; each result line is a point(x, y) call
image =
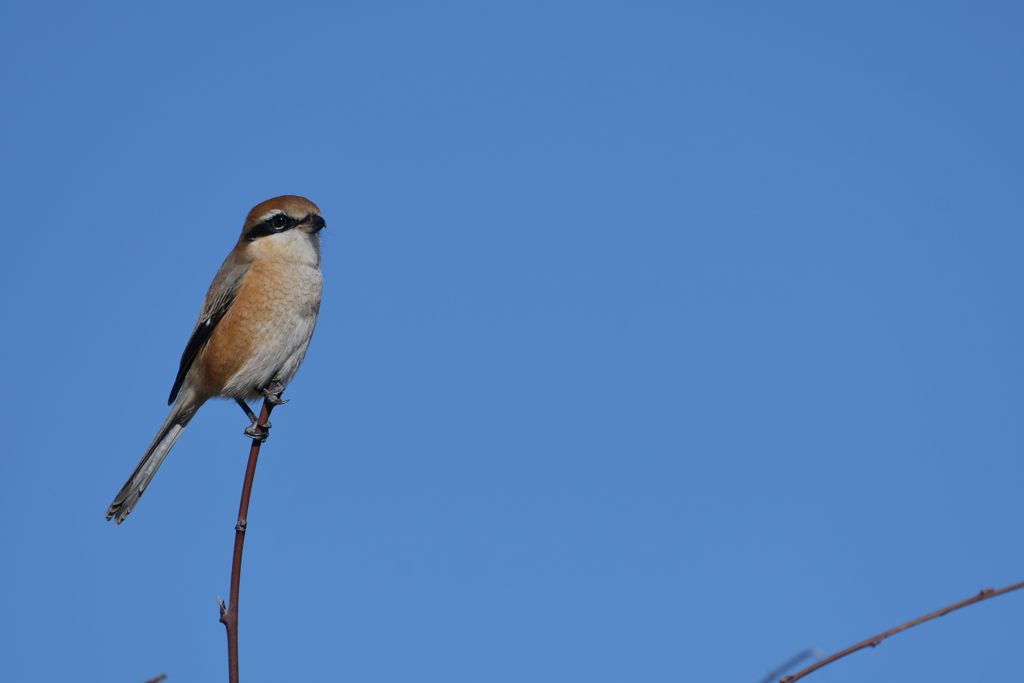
point(218, 302)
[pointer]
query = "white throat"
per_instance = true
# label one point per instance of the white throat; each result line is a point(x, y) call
point(296, 246)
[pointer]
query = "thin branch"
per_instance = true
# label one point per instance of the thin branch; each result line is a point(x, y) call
point(874, 641)
point(229, 612)
point(159, 678)
point(781, 669)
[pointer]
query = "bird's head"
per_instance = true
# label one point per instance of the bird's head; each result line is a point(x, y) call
point(283, 227)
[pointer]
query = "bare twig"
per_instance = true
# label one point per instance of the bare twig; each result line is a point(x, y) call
point(781, 669)
point(229, 612)
point(874, 641)
point(159, 678)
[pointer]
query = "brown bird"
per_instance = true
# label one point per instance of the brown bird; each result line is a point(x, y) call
point(253, 330)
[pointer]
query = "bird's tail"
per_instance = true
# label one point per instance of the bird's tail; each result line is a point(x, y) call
point(136, 485)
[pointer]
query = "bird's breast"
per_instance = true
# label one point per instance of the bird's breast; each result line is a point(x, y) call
point(273, 315)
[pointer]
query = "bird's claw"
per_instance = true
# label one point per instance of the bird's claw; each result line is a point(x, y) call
point(254, 431)
point(272, 392)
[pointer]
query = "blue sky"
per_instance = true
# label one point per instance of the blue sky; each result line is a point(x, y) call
point(659, 341)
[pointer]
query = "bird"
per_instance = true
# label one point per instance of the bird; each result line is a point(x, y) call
point(253, 329)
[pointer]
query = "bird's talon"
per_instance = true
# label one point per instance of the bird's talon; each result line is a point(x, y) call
point(272, 392)
point(254, 432)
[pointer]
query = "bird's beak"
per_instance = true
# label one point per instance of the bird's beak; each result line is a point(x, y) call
point(316, 223)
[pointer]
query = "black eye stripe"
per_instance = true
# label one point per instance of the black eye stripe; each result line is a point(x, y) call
point(279, 222)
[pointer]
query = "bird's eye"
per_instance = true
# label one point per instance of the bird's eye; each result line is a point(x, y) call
point(279, 220)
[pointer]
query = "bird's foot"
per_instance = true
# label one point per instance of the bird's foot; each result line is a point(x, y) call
point(254, 431)
point(272, 392)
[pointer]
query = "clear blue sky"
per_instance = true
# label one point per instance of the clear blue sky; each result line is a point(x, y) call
point(659, 341)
